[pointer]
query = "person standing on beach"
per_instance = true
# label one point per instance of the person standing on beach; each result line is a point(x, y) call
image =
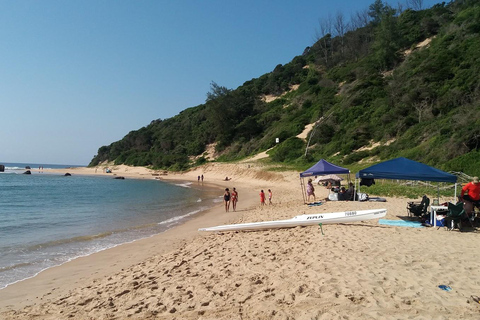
point(234, 199)
point(310, 190)
point(198, 179)
point(262, 198)
point(269, 196)
point(226, 199)
point(202, 177)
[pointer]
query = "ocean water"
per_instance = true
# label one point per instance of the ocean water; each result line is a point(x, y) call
point(49, 219)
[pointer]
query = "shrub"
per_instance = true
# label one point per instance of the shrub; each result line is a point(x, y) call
point(288, 151)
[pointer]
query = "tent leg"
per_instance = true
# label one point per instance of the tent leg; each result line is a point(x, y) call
point(455, 199)
point(302, 185)
point(357, 191)
point(438, 193)
point(321, 228)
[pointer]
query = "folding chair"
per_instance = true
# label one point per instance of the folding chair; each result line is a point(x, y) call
point(456, 216)
point(418, 209)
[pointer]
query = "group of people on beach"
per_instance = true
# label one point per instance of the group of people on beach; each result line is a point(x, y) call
point(262, 197)
point(344, 194)
point(230, 197)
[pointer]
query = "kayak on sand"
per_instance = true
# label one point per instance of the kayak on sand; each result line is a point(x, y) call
point(305, 220)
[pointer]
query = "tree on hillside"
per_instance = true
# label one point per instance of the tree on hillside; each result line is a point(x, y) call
point(216, 91)
point(416, 5)
point(324, 38)
point(341, 28)
point(359, 19)
point(376, 10)
point(359, 35)
point(387, 39)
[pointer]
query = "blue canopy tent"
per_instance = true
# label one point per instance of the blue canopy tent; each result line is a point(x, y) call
point(322, 167)
point(406, 169)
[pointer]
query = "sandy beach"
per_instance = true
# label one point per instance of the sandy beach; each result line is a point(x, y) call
point(360, 270)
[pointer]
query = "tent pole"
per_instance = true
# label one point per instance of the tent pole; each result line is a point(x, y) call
point(358, 199)
point(455, 199)
point(302, 185)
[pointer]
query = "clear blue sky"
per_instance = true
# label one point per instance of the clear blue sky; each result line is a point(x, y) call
point(77, 75)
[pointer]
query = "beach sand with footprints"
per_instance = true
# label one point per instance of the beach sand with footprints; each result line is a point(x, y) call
point(359, 270)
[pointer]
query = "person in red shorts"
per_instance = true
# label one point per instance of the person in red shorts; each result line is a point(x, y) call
point(471, 195)
point(262, 198)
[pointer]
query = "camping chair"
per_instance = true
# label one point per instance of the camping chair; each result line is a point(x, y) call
point(456, 215)
point(418, 209)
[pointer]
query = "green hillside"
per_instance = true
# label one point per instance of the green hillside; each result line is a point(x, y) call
point(388, 84)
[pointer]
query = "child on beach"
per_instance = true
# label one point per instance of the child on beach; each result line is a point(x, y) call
point(234, 199)
point(262, 198)
point(226, 199)
point(269, 196)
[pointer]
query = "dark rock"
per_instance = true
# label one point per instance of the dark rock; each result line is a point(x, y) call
point(120, 178)
point(68, 174)
point(2, 168)
point(28, 167)
point(27, 172)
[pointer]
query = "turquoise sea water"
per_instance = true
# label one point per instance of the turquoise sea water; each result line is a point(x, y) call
point(49, 219)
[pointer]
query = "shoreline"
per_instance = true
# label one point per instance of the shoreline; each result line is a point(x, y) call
point(50, 281)
point(359, 270)
point(172, 223)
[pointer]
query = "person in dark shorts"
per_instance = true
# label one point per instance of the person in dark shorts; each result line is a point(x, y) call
point(226, 199)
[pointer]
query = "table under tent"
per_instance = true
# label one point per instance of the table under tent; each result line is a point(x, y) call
point(402, 169)
point(321, 168)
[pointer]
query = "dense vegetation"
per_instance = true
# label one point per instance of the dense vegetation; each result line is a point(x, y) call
point(362, 83)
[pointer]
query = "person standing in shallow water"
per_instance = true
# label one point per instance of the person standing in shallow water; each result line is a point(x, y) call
point(226, 199)
point(234, 199)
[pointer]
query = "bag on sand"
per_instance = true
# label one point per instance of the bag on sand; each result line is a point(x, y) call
point(362, 196)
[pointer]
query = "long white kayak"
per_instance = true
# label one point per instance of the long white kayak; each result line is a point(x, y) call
point(305, 220)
